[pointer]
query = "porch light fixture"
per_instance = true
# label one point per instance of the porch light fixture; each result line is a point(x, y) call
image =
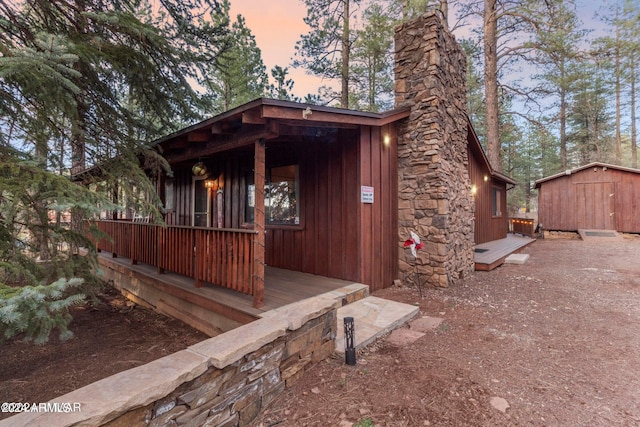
point(199, 169)
point(387, 140)
point(486, 178)
point(474, 190)
point(210, 183)
point(349, 337)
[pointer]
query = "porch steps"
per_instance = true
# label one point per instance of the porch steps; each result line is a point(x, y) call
point(373, 318)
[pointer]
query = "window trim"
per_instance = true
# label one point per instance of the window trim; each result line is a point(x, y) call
point(270, 225)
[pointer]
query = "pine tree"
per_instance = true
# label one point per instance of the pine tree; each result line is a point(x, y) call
point(238, 74)
point(97, 80)
point(589, 117)
point(325, 51)
point(372, 59)
point(475, 89)
point(555, 42)
point(35, 311)
point(282, 86)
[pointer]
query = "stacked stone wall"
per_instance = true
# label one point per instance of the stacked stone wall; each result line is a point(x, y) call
point(223, 381)
point(435, 198)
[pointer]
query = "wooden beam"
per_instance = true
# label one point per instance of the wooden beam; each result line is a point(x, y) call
point(259, 224)
point(253, 117)
point(277, 112)
point(216, 129)
point(225, 143)
point(198, 136)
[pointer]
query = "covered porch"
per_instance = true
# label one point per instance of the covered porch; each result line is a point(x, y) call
point(214, 309)
point(203, 264)
point(298, 187)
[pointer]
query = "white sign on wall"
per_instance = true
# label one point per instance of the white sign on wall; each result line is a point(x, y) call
point(366, 194)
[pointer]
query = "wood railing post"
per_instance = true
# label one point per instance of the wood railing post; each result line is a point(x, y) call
point(259, 225)
point(159, 248)
point(198, 258)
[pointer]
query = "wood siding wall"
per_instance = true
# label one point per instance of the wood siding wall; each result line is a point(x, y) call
point(487, 227)
point(232, 170)
point(591, 199)
point(338, 236)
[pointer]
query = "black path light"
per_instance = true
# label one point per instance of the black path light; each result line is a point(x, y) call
point(349, 340)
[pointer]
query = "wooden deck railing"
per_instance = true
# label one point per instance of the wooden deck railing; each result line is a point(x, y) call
point(522, 226)
point(223, 257)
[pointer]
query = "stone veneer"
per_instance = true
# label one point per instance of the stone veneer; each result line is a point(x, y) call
point(223, 381)
point(435, 197)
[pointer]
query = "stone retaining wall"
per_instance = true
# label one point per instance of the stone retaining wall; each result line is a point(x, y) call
point(223, 381)
point(435, 198)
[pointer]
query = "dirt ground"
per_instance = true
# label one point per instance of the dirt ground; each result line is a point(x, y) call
point(110, 336)
point(557, 340)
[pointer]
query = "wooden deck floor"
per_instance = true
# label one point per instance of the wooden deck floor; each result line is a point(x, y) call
point(282, 287)
point(492, 254)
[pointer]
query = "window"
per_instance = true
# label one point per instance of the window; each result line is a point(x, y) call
point(496, 200)
point(280, 196)
point(169, 196)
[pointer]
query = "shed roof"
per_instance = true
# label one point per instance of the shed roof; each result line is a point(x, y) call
point(581, 168)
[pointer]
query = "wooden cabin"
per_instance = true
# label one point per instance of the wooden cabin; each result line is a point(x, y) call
point(490, 193)
point(594, 196)
point(329, 180)
point(328, 191)
point(297, 187)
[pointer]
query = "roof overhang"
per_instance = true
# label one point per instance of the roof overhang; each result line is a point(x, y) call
point(604, 166)
point(261, 119)
point(476, 148)
point(265, 119)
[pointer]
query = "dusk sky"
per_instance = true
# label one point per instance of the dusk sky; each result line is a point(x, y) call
point(278, 24)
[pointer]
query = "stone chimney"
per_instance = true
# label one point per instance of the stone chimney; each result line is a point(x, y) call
point(435, 198)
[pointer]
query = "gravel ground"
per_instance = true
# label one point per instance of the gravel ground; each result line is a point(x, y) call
point(552, 342)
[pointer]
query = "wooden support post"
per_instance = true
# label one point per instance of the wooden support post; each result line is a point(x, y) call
point(259, 225)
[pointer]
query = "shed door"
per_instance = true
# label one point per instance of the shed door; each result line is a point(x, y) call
point(595, 202)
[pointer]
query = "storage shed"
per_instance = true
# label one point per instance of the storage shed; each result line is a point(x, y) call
point(594, 196)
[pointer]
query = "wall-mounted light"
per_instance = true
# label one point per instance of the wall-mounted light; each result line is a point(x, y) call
point(210, 183)
point(486, 178)
point(386, 140)
point(474, 190)
point(199, 169)
point(307, 113)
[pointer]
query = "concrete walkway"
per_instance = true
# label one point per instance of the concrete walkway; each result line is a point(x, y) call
point(373, 317)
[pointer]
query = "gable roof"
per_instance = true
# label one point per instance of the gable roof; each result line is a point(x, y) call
point(581, 168)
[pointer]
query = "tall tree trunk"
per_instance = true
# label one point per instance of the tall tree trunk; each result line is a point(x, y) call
point(491, 83)
point(617, 59)
point(634, 147)
point(346, 48)
point(444, 8)
point(563, 118)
